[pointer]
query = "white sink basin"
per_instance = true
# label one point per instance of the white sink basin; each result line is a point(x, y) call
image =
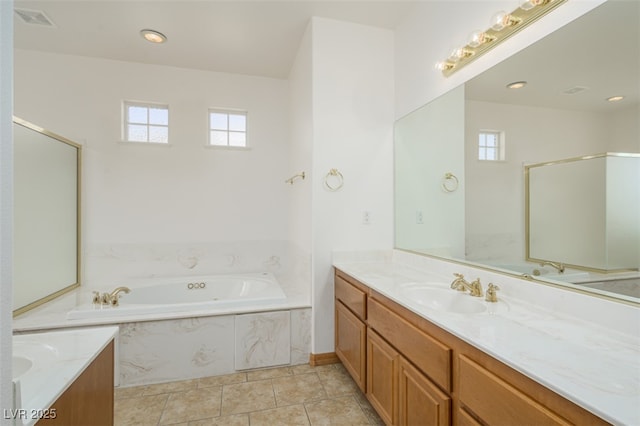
point(443, 299)
point(21, 365)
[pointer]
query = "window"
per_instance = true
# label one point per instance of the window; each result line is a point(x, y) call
point(146, 122)
point(491, 145)
point(227, 128)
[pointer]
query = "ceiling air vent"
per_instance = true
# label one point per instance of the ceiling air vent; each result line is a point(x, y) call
point(574, 90)
point(34, 17)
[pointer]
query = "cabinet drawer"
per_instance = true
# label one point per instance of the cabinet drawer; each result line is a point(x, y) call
point(428, 354)
point(497, 402)
point(352, 297)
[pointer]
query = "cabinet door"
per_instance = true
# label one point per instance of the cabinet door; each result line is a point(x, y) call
point(382, 377)
point(420, 401)
point(89, 399)
point(497, 402)
point(350, 343)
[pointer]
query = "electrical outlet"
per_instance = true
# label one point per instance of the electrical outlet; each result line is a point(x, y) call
point(366, 217)
point(419, 217)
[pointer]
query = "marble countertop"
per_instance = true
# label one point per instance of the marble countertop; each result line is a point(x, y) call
point(595, 367)
point(58, 358)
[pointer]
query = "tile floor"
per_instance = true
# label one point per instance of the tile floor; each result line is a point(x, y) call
point(298, 395)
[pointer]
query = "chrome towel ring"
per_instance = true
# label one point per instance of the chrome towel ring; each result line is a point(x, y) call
point(450, 182)
point(334, 180)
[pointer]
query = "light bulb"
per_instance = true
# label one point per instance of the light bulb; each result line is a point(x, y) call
point(498, 20)
point(444, 65)
point(478, 38)
point(530, 4)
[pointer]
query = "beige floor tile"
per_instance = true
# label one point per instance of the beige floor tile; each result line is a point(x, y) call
point(125, 393)
point(337, 382)
point(170, 387)
point(234, 420)
point(142, 411)
point(297, 389)
point(292, 415)
point(269, 373)
point(302, 369)
point(339, 411)
point(222, 380)
point(193, 404)
point(247, 397)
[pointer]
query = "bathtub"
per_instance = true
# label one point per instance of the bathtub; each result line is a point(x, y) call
point(183, 294)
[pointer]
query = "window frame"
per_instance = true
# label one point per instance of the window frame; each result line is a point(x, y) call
point(228, 112)
point(148, 106)
point(499, 148)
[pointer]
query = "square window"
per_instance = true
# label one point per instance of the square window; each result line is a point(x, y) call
point(146, 122)
point(491, 145)
point(227, 128)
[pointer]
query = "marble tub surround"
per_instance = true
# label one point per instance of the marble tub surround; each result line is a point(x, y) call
point(299, 395)
point(189, 348)
point(584, 348)
point(106, 265)
point(58, 358)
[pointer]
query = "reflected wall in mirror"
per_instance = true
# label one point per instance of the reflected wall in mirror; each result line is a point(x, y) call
point(561, 112)
point(46, 259)
point(585, 212)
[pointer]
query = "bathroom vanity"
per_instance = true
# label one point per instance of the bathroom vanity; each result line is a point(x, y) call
point(426, 354)
point(64, 377)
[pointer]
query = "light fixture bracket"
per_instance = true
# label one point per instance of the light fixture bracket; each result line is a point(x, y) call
point(490, 38)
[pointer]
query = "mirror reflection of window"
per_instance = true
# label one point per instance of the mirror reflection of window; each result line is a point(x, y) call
point(491, 145)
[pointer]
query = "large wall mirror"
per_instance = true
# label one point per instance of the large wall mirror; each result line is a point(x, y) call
point(460, 161)
point(46, 216)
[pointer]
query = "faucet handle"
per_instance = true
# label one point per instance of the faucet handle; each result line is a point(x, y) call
point(492, 295)
point(476, 288)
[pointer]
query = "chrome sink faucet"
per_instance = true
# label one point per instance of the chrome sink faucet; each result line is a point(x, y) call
point(558, 266)
point(474, 287)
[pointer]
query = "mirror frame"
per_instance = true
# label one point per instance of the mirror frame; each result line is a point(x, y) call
point(78, 147)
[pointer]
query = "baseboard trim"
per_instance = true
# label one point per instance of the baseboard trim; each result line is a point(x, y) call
point(323, 359)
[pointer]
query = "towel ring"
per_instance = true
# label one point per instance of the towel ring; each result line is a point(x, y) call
point(450, 182)
point(336, 176)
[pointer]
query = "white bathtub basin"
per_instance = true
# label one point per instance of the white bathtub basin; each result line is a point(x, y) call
point(21, 365)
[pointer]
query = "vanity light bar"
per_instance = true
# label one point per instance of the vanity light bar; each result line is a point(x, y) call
point(503, 26)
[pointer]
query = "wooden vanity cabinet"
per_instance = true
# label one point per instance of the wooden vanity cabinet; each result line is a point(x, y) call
point(350, 327)
point(89, 399)
point(419, 374)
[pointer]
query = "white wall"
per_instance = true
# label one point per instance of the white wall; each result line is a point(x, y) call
point(353, 132)
point(301, 144)
point(434, 29)
point(6, 207)
point(182, 193)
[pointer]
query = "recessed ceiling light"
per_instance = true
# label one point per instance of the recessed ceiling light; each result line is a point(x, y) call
point(615, 98)
point(516, 85)
point(153, 36)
